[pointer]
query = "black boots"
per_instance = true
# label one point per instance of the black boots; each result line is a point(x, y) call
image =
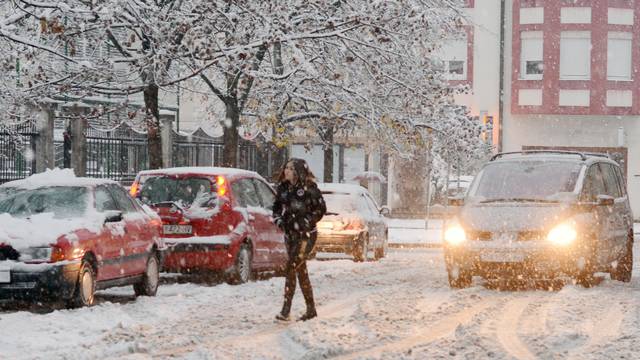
point(308, 315)
point(282, 317)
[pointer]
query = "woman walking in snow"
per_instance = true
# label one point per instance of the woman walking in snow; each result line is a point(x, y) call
point(298, 207)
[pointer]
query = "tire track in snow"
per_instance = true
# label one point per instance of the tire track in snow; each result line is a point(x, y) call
point(507, 331)
point(440, 329)
point(333, 309)
point(602, 331)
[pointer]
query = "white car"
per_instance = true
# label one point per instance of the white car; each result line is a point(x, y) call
point(354, 223)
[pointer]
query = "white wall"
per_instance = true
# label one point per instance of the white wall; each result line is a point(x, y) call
point(484, 99)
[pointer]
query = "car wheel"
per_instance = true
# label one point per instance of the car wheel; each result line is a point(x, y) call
point(382, 250)
point(86, 288)
point(458, 278)
point(150, 279)
point(361, 249)
point(241, 271)
point(622, 270)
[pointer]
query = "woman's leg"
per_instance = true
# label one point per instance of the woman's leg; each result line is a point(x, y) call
point(290, 282)
point(303, 278)
point(307, 290)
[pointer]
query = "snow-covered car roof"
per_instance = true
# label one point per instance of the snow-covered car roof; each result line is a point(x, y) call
point(55, 177)
point(202, 170)
point(345, 188)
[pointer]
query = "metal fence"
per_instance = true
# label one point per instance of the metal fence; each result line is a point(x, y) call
point(201, 149)
point(118, 153)
point(17, 150)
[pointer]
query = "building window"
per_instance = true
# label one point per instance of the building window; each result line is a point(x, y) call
point(454, 57)
point(575, 55)
point(456, 67)
point(619, 56)
point(531, 64)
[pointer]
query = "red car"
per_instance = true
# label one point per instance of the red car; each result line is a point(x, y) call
point(214, 220)
point(63, 237)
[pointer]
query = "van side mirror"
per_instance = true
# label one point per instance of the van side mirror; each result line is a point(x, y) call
point(456, 201)
point(605, 200)
point(385, 211)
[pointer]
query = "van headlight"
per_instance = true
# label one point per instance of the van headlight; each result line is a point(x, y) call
point(455, 235)
point(562, 235)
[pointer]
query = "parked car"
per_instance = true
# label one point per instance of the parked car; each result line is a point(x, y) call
point(214, 220)
point(354, 223)
point(63, 237)
point(540, 215)
point(458, 185)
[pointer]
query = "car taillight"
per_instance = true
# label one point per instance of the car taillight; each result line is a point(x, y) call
point(354, 224)
point(57, 254)
point(221, 186)
point(134, 189)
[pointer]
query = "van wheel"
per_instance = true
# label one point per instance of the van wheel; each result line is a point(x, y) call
point(150, 279)
point(458, 278)
point(241, 272)
point(622, 272)
point(585, 276)
point(86, 288)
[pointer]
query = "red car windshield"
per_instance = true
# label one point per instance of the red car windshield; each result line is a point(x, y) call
point(63, 202)
point(186, 192)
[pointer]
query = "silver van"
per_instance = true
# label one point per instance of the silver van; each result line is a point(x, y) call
point(539, 215)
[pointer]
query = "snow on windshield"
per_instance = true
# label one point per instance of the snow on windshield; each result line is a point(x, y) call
point(344, 203)
point(40, 216)
point(184, 191)
point(529, 179)
point(62, 202)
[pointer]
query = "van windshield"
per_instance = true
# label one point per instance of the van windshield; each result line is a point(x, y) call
point(525, 180)
point(185, 192)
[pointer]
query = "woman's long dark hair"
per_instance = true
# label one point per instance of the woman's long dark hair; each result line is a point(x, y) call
point(303, 174)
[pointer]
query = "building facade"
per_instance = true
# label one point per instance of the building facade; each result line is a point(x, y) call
point(571, 80)
point(555, 74)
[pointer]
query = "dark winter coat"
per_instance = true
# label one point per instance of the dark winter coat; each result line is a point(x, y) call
point(297, 209)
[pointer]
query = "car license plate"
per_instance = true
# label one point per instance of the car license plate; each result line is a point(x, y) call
point(177, 229)
point(502, 256)
point(5, 275)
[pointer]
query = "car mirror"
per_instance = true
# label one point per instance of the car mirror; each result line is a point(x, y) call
point(113, 216)
point(385, 211)
point(605, 200)
point(456, 201)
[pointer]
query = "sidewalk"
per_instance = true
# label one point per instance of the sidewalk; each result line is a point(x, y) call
point(412, 233)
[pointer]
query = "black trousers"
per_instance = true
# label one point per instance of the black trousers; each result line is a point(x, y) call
point(297, 267)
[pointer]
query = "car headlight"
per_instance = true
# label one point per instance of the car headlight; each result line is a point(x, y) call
point(455, 235)
point(563, 235)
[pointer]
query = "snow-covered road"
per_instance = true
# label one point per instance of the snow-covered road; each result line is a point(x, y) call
point(401, 307)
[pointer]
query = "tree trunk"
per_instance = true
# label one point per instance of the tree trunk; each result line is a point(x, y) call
point(328, 154)
point(231, 137)
point(153, 126)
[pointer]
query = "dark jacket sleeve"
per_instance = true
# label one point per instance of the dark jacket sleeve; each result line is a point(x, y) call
point(317, 208)
point(277, 203)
